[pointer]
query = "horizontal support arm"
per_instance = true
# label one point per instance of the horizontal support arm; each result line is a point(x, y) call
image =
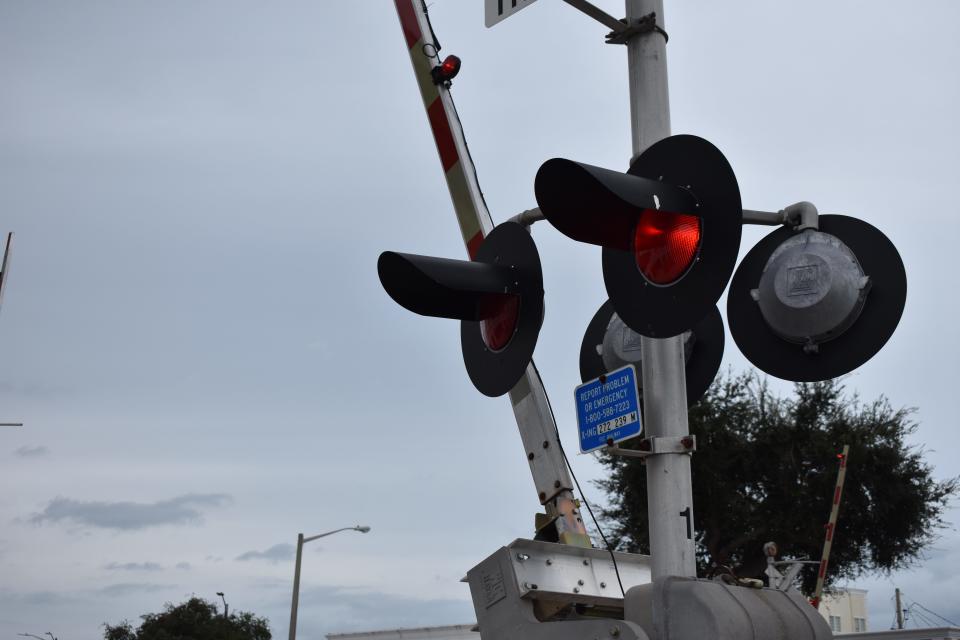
point(598, 14)
point(528, 217)
point(801, 215)
point(330, 533)
point(771, 218)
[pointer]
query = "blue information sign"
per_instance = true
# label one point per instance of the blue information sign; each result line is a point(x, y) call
point(609, 410)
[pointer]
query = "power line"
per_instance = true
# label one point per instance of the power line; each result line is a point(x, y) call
point(951, 623)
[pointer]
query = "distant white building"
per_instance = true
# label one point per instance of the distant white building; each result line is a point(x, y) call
point(933, 633)
point(845, 610)
point(449, 632)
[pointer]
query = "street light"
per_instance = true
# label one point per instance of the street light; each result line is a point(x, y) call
point(296, 571)
point(225, 607)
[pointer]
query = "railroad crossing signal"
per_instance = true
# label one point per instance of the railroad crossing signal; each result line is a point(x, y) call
point(815, 304)
point(498, 296)
point(669, 227)
point(609, 344)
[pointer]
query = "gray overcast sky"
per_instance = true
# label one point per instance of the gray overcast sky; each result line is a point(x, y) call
point(195, 334)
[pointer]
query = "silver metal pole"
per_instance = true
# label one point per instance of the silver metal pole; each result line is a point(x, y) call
point(296, 570)
point(296, 589)
point(899, 609)
point(669, 493)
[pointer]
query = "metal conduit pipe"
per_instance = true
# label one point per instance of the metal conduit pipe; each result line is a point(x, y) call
point(801, 215)
point(528, 217)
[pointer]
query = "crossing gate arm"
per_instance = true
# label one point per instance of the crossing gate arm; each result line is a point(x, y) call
point(529, 399)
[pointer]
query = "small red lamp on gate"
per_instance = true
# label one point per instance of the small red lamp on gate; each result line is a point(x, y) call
point(446, 70)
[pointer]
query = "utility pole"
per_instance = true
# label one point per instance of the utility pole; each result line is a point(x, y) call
point(669, 490)
point(295, 604)
point(899, 608)
point(292, 632)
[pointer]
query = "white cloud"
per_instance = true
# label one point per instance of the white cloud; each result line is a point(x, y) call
point(133, 566)
point(123, 589)
point(276, 553)
point(181, 510)
point(27, 451)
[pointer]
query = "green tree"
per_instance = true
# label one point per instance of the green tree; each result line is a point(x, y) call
point(765, 470)
point(195, 619)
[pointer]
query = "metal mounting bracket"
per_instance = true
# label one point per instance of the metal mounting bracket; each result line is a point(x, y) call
point(646, 24)
point(655, 446)
point(622, 29)
point(599, 15)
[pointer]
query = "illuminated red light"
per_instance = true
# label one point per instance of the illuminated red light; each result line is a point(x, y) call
point(665, 244)
point(446, 70)
point(500, 314)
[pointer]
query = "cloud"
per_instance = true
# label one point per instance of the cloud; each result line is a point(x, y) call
point(133, 566)
point(128, 588)
point(27, 451)
point(127, 516)
point(185, 566)
point(276, 553)
point(46, 599)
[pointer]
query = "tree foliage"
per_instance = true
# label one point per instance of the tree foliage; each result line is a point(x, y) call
point(765, 469)
point(195, 619)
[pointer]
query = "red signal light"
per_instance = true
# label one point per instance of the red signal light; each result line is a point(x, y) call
point(666, 244)
point(500, 314)
point(446, 70)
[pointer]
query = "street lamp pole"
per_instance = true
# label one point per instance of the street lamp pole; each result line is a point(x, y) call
point(296, 571)
point(226, 610)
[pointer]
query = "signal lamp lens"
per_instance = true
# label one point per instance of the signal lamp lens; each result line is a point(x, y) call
point(665, 244)
point(500, 314)
point(446, 70)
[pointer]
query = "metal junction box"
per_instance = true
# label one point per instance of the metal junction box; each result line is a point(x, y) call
point(531, 590)
point(544, 570)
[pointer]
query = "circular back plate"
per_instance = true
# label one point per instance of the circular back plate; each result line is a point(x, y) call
point(494, 373)
point(879, 318)
point(702, 365)
point(664, 311)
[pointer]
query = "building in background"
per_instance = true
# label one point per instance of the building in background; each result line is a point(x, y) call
point(449, 632)
point(845, 610)
point(933, 633)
